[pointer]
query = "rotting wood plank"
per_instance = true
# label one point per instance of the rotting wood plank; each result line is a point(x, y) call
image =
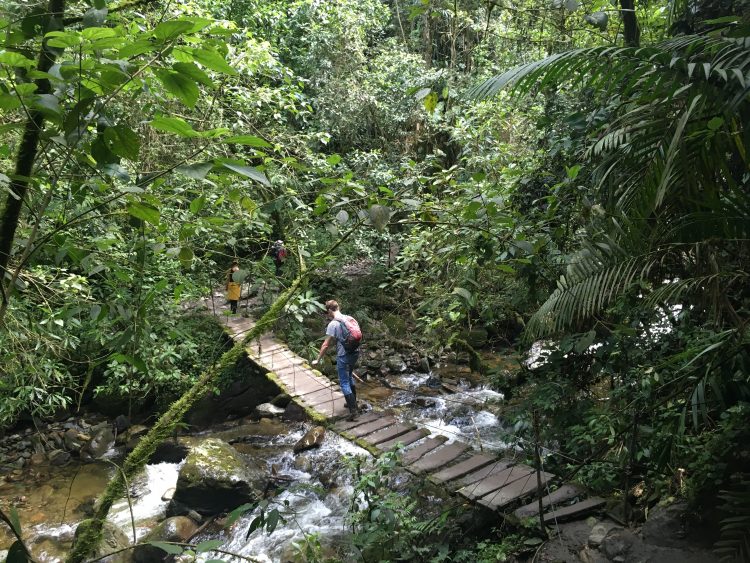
point(514, 490)
point(497, 467)
point(475, 462)
point(438, 458)
point(563, 494)
point(404, 439)
point(389, 433)
point(370, 427)
point(419, 450)
point(574, 510)
point(344, 425)
point(496, 481)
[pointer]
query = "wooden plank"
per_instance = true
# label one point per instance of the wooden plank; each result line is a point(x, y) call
point(405, 439)
point(496, 481)
point(419, 450)
point(516, 489)
point(574, 510)
point(478, 475)
point(438, 458)
point(370, 427)
point(565, 493)
point(344, 425)
point(389, 433)
point(460, 469)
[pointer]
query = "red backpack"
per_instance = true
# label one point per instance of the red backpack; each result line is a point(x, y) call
point(351, 334)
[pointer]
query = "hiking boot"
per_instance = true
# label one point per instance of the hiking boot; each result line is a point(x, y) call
point(351, 402)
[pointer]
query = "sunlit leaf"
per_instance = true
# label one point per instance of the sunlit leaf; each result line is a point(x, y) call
point(168, 547)
point(249, 172)
point(144, 211)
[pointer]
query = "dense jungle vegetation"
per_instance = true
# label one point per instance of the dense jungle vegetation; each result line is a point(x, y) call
point(571, 173)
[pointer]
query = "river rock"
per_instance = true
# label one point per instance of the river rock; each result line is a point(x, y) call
point(113, 538)
point(424, 402)
point(59, 457)
point(312, 439)
point(175, 529)
point(665, 525)
point(215, 478)
point(295, 413)
point(395, 364)
point(122, 423)
point(74, 439)
point(170, 451)
point(102, 439)
point(38, 458)
point(617, 544)
point(281, 400)
point(267, 410)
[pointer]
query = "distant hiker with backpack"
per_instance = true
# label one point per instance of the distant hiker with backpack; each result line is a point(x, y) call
point(278, 253)
point(345, 330)
point(233, 286)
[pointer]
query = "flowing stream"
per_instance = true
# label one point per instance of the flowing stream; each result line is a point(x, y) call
point(317, 483)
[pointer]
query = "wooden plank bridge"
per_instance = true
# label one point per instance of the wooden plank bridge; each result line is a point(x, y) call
point(498, 484)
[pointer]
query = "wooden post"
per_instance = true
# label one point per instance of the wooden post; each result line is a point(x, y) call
point(538, 466)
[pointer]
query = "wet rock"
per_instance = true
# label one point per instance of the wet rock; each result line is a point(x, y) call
point(424, 402)
point(666, 525)
point(599, 532)
point(302, 463)
point(59, 457)
point(267, 410)
point(168, 494)
point(38, 458)
point(176, 529)
point(102, 439)
point(281, 400)
point(294, 413)
point(74, 439)
point(170, 451)
point(215, 478)
point(312, 439)
point(20, 463)
point(433, 381)
point(113, 539)
point(132, 436)
point(122, 423)
point(395, 364)
point(617, 544)
point(424, 365)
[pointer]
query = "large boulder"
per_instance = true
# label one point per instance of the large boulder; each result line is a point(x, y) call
point(102, 439)
point(214, 479)
point(177, 529)
point(113, 539)
point(312, 439)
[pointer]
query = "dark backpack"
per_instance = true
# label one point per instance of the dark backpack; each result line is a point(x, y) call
point(351, 334)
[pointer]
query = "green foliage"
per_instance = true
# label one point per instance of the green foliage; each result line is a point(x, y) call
point(386, 522)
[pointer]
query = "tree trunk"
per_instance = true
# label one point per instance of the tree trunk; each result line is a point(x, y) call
point(631, 31)
point(27, 153)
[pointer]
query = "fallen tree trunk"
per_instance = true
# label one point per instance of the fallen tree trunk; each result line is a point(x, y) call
point(87, 542)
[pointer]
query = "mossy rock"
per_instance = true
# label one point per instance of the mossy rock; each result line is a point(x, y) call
point(215, 478)
point(113, 539)
point(178, 529)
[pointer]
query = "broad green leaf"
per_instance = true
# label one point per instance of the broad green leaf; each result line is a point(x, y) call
point(180, 86)
point(273, 520)
point(186, 255)
point(715, 123)
point(430, 102)
point(11, 58)
point(248, 140)
point(172, 29)
point(144, 211)
point(213, 60)
point(48, 104)
point(94, 17)
point(249, 172)
point(334, 159)
point(197, 204)
point(208, 545)
point(15, 521)
point(123, 141)
point(9, 102)
point(197, 171)
point(97, 33)
point(463, 292)
point(422, 93)
point(95, 312)
point(174, 125)
point(192, 71)
point(168, 547)
point(248, 205)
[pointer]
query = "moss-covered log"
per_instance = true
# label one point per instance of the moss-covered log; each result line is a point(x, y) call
point(164, 427)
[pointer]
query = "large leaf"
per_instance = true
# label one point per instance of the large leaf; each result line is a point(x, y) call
point(144, 211)
point(123, 141)
point(179, 85)
point(248, 172)
point(247, 140)
point(174, 125)
point(213, 60)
